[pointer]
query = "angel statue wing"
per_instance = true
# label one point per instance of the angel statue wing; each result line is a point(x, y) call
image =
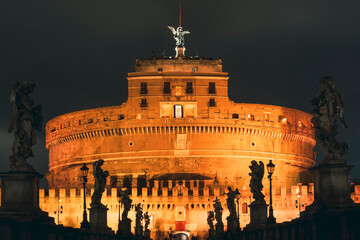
point(261, 171)
point(186, 32)
point(172, 29)
point(14, 107)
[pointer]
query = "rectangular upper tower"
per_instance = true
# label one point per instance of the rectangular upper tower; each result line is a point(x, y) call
point(176, 87)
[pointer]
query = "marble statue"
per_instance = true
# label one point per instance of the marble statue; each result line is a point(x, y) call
point(218, 211)
point(139, 215)
point(210, 219)
point(230, 201)
point(147, 220)
point(328, 105)
point(179, 36)
point(257, 174)
point(100, 182)
point(126, 202)
point(26, 119)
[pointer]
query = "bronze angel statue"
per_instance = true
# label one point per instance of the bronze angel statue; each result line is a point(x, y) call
point(328, 104)
point(26, 119)
point(179, 36)
point(256, 186)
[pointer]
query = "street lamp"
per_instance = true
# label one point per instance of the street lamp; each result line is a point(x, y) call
point(298, 201)
point(84, 172)
point(237, 196)
point(270, 168)
point(119, 198)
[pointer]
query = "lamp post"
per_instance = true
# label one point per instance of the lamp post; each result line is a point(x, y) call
point(237, 196)
point(298, 195)
point(119, 198)
point(270, 168)
point(84, 172)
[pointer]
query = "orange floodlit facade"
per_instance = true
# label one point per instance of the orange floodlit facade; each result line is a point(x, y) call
point(177, 143)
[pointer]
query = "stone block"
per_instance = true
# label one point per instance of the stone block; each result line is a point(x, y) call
point(72, 193)
point(283, 191)
point(258, 214)
point(62, 193)
point(51, 193)
point(134, 192)
point(98, 219)
point(165, 192)
point(144, 192)
point(154, 192)
point(195, 192)
point(304, 190)
point(113, 192)
point(41, 193)
point(206, 191)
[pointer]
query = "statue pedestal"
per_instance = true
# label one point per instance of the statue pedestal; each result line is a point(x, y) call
point(125, 226)
point(219, 229)
point(258, 214)
point(211, 234)
point(138, 232)
point(98, 219)
point(232, 224)
point(331, 188)
point(20, 197)
point(147, 234)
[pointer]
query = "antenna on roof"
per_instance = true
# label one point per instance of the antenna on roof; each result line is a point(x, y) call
point(179, 13)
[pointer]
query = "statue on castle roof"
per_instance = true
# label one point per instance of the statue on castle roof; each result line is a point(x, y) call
point(100, 182)
point(328, 105)
point(230, 201)
point(256, 186)
point(26, 119)
point(179, 36)
point(126, 202)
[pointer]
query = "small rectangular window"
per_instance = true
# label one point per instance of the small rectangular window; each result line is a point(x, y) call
point(189, 88)
point(160, 69)
point(143, 103)
point(178, 112)
point(194, 69)
point(121, 117)
point(143, 89)
point(212, 102)
point(167, 89)
point(235, 115)
point(90, 120)
point(212, 89)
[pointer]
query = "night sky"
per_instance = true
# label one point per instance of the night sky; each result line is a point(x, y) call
point(79, 53)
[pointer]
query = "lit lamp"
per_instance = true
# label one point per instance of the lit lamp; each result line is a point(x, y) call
point(84, 172)
point(270, 168)
point(119, 198)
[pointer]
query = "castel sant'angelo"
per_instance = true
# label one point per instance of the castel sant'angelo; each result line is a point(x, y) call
point(177, 143)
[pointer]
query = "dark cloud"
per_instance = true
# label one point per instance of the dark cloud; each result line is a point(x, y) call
point(79, 52)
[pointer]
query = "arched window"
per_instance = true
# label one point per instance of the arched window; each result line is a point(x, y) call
point(244, 208)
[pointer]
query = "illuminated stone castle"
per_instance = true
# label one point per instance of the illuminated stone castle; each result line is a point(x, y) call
point(177, 143)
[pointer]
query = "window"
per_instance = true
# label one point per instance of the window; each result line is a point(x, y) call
point(235, 115)
point(244, 208)
point(167, 89)
point(178, 112)
point(121, 117)
point(212, 88)
point(160, 69)
point(194, 69)
point(189, 88)
point(143, 103)
point(143, 89)
point(212, 102)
